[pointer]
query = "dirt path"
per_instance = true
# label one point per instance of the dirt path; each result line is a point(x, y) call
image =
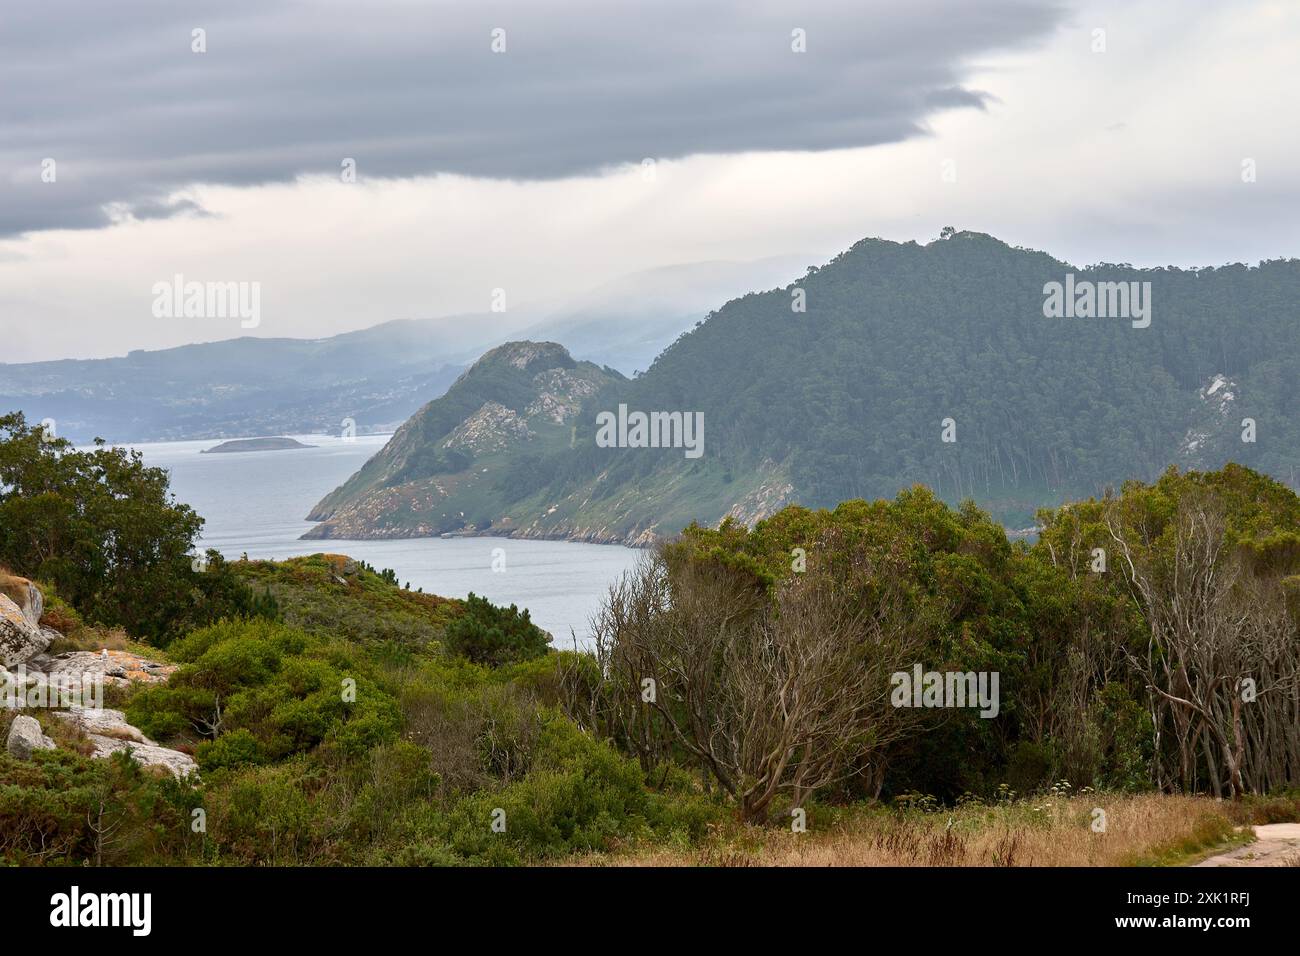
point(1276, 844)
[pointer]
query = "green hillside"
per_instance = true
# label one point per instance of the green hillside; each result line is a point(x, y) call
point(453, 463)
point(850, 399)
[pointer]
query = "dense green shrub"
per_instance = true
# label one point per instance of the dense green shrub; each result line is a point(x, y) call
point(63, 808)
point(491, 635)
point(98, 524)
point(580, 795)
point(233, 749)
point(106, 532)
point(287, 690)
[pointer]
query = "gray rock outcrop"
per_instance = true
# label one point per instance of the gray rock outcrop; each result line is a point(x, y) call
point(20, 637)
point(26, 737)
point(23, 642)
point(108, 732)
point(113, 667)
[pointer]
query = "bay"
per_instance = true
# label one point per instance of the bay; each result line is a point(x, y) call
point(254, 503)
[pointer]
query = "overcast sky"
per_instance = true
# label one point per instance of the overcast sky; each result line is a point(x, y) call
point(524, 169)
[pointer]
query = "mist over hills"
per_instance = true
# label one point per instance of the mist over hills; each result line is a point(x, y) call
point(377, 377)
point(626, 323)
point(912, 363)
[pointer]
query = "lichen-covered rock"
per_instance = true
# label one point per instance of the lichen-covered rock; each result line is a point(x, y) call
point(26, 737)
point(20, 638)
point(114, 667)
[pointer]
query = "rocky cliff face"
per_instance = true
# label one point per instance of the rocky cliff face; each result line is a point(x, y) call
point(450, 468)
point(492, 428)
point(495, 454)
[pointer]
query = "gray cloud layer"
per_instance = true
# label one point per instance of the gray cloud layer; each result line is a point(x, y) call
point(113, 93)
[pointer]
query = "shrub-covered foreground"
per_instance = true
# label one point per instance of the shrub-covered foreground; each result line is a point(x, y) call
point(737, 708)
point(315, 748)
point(1147, 640)
point(417, 770)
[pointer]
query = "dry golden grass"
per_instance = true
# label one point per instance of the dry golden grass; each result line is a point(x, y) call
point(96, 639)
point(1052, 831)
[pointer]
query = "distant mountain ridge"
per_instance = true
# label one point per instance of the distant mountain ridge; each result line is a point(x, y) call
point(375, 378)
point(910, 363)
point(239, 387)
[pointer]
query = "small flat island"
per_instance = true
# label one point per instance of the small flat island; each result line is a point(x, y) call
point(255, 444)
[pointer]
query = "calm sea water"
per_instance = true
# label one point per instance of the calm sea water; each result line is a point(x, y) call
point(254, 503)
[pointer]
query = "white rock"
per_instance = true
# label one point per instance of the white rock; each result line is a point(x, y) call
point(113, 667)
point(148, 755)
point(103, 721)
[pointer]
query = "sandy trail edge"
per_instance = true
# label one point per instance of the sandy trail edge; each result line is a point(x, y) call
point(1276, 844)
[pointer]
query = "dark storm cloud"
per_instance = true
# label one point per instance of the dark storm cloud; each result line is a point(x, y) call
point(112, 92)
point(165, 209)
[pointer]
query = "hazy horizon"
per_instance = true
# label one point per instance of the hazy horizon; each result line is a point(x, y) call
point(397, 165)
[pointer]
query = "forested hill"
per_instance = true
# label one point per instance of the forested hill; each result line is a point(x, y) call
point(904, 345)
point(445, 468)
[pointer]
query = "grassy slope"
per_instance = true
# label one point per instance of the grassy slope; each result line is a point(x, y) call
point(1146, 829)
point(331, 594)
